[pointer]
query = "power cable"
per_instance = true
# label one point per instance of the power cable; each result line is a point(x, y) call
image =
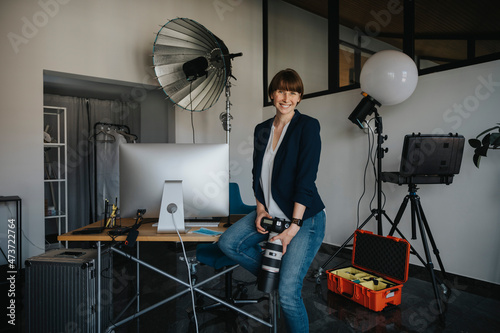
point(172, 208)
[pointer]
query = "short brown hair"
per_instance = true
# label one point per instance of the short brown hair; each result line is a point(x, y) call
point(286, 79)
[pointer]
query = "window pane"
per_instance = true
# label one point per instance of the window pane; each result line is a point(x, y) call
point(298, 39)
point(366, 28)
point(485, 47)
point(444, 29)
point(432, 53)
point(347, 74)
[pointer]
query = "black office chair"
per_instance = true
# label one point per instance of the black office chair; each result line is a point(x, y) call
point(210, 255)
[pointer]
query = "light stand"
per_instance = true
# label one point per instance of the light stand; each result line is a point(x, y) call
point(387, 78)
point(380, 154)
point(378, 212)
point(225, 118)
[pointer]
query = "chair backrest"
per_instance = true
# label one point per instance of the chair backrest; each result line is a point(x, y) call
point(236, 205)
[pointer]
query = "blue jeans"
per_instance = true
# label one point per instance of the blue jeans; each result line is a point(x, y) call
point(241, 243)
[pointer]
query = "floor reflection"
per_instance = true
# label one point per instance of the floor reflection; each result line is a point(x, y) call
point(466, 311)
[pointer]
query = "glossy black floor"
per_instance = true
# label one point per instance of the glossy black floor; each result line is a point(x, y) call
point(471, 306)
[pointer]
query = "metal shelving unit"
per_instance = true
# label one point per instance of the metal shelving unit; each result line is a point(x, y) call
point(55, 173)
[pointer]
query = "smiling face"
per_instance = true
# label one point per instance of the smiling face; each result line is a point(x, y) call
point(285, 101)
point(285, 91)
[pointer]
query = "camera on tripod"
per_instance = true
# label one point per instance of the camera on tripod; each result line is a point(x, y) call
point(269, 274)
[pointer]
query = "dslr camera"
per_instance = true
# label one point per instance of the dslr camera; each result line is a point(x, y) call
point(268, 278)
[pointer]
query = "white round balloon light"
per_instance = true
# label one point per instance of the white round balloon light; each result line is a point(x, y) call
point(389, 76)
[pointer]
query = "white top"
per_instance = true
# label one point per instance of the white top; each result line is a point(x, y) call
point(267, 172)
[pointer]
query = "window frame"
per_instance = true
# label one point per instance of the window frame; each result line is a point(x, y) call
point(334, 41)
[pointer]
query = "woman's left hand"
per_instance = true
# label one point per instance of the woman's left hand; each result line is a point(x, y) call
point(286, 236)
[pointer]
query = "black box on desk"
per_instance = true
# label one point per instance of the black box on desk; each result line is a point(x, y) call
point(61, 291)
point(379, 269)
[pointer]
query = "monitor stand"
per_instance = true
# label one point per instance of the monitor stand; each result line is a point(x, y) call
point(171, 208)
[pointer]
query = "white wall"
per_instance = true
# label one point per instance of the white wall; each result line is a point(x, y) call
point(113, 40)
point(464, 216)
point(298, 39)
point(110, 40)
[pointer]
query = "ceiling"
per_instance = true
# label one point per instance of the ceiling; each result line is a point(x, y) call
point(441, 27)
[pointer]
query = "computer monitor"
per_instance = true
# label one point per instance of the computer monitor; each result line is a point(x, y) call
point(202, 168)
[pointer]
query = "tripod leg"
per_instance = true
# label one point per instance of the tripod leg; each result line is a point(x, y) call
point(388, 218)
point(414, 208)
point(399, 215)
point(431, 238)
point(435, 249)
point(430, 265)
point(412, 249)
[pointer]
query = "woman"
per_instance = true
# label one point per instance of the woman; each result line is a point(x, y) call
point(285, 163)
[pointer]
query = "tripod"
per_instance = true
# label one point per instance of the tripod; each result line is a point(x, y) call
point(417, 215)
point(378, 212)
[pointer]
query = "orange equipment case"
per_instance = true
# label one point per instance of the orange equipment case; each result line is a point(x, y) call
point(379, 269)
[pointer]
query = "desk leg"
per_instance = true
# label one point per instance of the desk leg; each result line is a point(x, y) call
point(98, 291)
point(138, 265)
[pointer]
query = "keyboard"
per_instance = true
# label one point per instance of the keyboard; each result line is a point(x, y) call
point(202, 224)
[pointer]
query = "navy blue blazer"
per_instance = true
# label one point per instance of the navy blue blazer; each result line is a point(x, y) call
point(295, 165)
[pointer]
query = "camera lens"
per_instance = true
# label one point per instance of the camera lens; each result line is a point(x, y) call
point(271, 262)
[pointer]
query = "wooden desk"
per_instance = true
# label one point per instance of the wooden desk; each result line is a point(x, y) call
point(147, 233)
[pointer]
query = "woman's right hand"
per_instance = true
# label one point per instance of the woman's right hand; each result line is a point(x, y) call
point(261, 213)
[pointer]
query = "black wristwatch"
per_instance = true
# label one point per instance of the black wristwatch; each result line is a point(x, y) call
point(297, 222)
